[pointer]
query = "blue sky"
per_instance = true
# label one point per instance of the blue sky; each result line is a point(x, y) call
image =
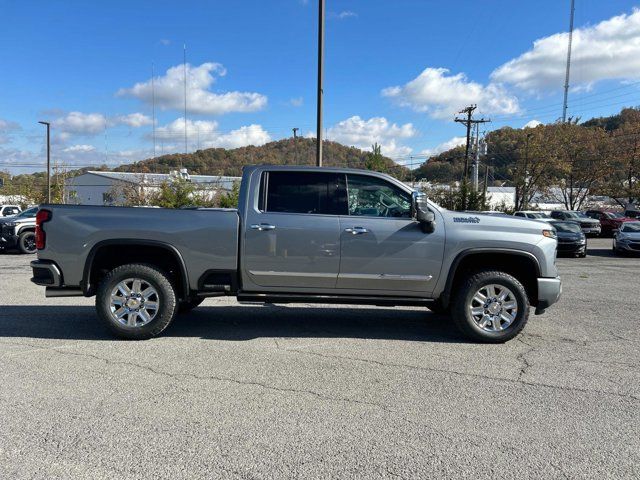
point(396, 72)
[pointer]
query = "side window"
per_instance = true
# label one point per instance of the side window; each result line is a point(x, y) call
point(305, 192)
point(375, 197)
point(519, 214)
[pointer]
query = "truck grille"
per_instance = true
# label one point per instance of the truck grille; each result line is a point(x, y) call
point(588, 225)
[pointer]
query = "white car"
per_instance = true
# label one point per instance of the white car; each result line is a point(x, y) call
point(9, 210)
point(627, 239)
point(533, 215)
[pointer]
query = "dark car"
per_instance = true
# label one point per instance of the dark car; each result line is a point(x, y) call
point(627, 239)
point(610, 222)
point(590, 226)
point(571, 240)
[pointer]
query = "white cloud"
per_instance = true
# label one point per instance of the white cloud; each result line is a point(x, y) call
point(7, 127)
point(442, 95)
point(296, 102)
point(608, 50)
point(169, 92)
point(81, 123)
point(206, 134)
point(135, 120)
point(345, 14)
point(444, 146)
point(361, 133)
point(532, 124)
point(79, 149)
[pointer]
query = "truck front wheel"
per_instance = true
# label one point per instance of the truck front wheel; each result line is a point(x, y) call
point(136, 301)
point(491, 307)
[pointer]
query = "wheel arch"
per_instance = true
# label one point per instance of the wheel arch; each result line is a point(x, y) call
point(521, 264)
point(108, 254)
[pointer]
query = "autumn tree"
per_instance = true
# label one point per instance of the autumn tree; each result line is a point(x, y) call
point(582, 161)
point(622, 183)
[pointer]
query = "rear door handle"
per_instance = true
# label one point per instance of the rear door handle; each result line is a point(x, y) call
point(356, 230)
point(262, 226)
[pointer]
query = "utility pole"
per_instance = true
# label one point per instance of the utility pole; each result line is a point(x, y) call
point(48, 125)
point(295, 145)
point(566, 78)
point(153, 108)
point(468, 122)
point(184, 65)
point(320, 82)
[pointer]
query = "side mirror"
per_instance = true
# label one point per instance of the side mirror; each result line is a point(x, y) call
point(421, 213)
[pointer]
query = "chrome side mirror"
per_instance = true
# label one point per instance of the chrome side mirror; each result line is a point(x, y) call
point(420, 212)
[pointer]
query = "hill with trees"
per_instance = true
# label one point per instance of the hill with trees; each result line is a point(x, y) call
point(289, 151)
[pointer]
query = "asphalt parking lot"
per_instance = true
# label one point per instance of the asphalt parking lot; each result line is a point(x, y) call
point(309, 392)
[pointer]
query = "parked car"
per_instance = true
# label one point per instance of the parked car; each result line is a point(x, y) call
point(610, 222)
point(533, 215)
point(9, 210)
point(590, 226)
point(632, 211)
point(627, 239)
point(19, 231)
point(301, 234)
point(571, 239)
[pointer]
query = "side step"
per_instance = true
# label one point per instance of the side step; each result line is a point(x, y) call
point(333, 299)
point(62, 292)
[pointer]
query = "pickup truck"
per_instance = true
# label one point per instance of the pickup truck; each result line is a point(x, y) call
point(18, 231)
point(301, 235)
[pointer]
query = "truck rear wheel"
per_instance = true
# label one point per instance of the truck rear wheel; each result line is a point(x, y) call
point(27, 242)
point(491, 307)
point(136, 301)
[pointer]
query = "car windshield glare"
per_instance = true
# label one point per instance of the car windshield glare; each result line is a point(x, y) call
point(539, 215)
point(567, 227)
point(631, 227)
point(28, 213)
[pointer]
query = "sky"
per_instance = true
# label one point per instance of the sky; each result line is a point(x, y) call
point(396, 73)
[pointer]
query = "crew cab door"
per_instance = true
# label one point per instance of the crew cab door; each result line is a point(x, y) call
point(292, 238)
point(382, 247)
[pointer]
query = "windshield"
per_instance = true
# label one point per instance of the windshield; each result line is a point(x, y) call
point(28, 213)
point(614, 215)
point(567, 227)
point(631, 227)
point(576, 215)
point(538, 215)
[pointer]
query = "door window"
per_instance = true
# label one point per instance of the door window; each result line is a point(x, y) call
point(305, 192)
point(375, 197)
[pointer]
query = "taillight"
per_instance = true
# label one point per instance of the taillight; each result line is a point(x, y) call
point(41, 237)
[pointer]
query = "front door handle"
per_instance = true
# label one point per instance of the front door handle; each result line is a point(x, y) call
point(262, 226)
point(356, 230)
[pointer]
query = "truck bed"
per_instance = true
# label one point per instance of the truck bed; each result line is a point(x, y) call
point(204, 238)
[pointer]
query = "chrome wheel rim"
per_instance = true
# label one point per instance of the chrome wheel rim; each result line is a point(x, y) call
point(493, 308)
point(134, 302)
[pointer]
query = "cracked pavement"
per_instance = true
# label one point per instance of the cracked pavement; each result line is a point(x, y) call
point(242, 391)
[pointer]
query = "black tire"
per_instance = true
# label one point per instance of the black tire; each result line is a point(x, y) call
point(27, 242)
point(186, 307)
point(167, 303)
point(467, 290)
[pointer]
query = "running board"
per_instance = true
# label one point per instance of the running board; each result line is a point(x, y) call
point(62, 292)
point(333, 299)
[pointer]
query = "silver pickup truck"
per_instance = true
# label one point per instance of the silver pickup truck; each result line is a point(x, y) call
point(301, 234)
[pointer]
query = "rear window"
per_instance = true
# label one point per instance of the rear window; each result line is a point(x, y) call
point(304, 192)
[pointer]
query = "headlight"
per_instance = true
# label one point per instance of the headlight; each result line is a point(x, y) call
point(549, 234)
point(11, 224)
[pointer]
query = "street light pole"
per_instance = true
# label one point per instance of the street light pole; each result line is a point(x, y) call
point(320, 81)
point(48, 125)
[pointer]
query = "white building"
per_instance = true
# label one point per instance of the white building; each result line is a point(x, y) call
point(107, 188)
